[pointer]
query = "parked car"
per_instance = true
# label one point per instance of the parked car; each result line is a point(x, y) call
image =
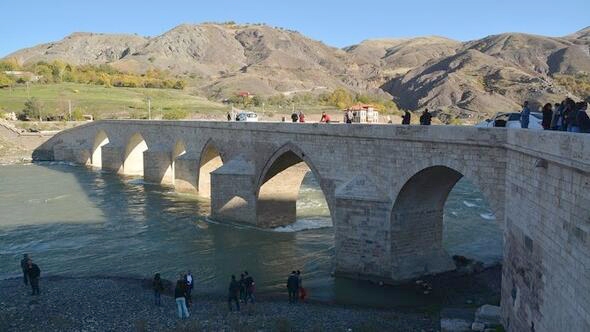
point(247, 117)
point(512, 120)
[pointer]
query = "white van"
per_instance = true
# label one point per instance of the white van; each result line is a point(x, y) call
point(247, 117)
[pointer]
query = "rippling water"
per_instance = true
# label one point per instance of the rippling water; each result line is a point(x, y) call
point(77, 221)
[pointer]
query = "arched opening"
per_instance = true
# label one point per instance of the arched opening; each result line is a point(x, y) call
point(417, 223)
point(133, 161)
point(210, 161)
point(100, 140)
point(279, 191)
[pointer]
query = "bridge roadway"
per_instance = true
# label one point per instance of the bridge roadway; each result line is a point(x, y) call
point(385, 186)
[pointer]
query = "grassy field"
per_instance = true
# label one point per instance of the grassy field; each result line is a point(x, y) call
point(104, 103)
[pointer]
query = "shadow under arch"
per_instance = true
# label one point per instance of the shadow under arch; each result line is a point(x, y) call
point(277, 188)
point(417, 223)
point(133, 161)
point(210, 159)
point(100, 140)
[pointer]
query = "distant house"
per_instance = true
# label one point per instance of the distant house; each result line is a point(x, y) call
point(363, 113)
point(26, 75)
point(245, 94)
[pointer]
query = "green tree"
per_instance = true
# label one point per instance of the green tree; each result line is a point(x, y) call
point(175, 114)
point(340, 98)
point(33, 109)
point(5, 80)
point(9, 64)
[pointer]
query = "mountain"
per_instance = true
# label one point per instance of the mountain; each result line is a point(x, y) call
point(464, 79)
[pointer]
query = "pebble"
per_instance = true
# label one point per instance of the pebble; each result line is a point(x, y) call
point(120, 304)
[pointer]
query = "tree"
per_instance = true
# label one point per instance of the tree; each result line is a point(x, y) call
point(33, 109)
point(5, 80)
point(9, 64)
point(340, 98)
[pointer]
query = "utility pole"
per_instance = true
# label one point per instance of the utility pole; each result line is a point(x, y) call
point(149, 108)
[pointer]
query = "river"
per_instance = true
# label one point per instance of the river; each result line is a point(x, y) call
point(81, 222)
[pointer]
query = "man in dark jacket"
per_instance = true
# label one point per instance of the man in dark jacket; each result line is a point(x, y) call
point(293, 287)
point(23, 265)
point(234, 290)
point(33, 272)
point(425, 118)
point(406, 119)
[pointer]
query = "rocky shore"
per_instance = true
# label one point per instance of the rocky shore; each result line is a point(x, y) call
point(121, 304)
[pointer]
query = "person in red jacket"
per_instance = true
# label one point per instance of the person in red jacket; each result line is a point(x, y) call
point(325, 118)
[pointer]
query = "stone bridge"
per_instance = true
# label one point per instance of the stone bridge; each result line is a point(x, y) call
point(385, 187)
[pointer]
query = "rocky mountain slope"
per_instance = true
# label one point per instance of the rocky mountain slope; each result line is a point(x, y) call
point(464, 79)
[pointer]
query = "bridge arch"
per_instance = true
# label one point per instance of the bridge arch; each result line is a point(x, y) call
point(100, 140)
point(278, 185)
point(417, 220)
point(210, 159)
point(133, 158)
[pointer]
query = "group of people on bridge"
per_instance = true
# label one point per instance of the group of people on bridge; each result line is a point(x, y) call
point(567, 116)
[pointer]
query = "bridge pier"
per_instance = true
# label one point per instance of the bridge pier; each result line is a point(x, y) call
point(112, 157)
point(233, 195)
point(186, 168)
point(417, 249)
point(157, 167)
point(362, 230)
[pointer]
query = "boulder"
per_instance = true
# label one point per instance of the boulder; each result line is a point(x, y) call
point(487, 314)
point(454, 325)
point(476, 326)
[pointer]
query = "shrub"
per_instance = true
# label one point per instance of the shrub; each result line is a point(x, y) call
point(175, 114)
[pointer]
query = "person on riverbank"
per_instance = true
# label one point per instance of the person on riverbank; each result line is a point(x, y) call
point(180, 298)
point(233, 291)
point(426, 118)
point(406, 118)
point(242, 288)
point(33, 273)
point(293, 287)
point(249, 287)
point(301, 117)
point(325, 118)
point(547, 116)
point(158, 288)
point(23, 266)
point(189, 288)
point(525, 116)
point(302, 293)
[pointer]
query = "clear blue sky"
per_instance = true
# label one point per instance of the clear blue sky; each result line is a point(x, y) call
point(336, 23)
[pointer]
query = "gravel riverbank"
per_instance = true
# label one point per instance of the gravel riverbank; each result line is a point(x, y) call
point(121, 304)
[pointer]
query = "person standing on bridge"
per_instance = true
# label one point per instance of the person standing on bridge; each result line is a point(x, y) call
point(406, 118)
point(301, 117)
point(294, 117)
point(325, 118)
point(547, 115)
point(524, 116)
point(426, 118)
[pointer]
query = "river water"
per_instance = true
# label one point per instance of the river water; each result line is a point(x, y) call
point(82, 222)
